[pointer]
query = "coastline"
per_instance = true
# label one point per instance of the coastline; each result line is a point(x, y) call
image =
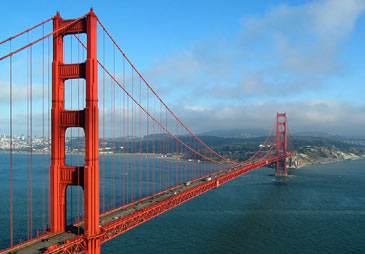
point(299, 160)
point(146, 155)
point(325, 161)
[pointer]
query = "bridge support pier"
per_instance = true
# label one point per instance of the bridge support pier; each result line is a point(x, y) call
point(281, 144)
point(281, 169)
point(93, 246)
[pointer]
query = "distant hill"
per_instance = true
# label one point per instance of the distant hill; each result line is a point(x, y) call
point(315, 150)
point(355, 140)
point(318, 134)
point(236, 133)
point(254, 133)
point(309, 150)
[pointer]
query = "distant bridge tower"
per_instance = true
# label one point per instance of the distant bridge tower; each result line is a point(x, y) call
point(281, 143)
point(62, 175)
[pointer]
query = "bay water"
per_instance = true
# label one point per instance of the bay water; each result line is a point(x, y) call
point(320, 209)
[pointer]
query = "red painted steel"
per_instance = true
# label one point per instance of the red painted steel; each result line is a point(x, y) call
point(61, 175)
point(281, 143)
point(28, 30)
point(163, 103)
point(87, 176)
point(120, 226)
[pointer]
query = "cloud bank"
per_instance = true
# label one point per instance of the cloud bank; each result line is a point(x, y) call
point(281, 61)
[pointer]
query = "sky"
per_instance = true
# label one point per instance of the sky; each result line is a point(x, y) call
point(234, 64)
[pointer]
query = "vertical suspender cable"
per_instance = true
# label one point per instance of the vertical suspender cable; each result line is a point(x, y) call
point(165, 154)
point(167, 150)
point(205, 165)
point(111, 142)
point(128, 152)
point(186, 157)
point(119, 150)
point(114, 126)
point(181, 159)
point(177, 158)
point(121, 164)
point(124, 145)
point(43, 140)
point(140, 140)
point(31, 143)
point(71, 129)
point(171, 149)
point(49, 116)
point(28, 144)
point(161, 150)
point(154, 145)
point(163, 144)
point(11, 147)
point(133, 126)
point(196, 174)
point(114, 136)
point(162, 137)
point(104, 124)
point(147, 150)
point(78, 147)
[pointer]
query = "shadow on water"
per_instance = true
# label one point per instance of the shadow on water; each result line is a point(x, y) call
point(282, 180)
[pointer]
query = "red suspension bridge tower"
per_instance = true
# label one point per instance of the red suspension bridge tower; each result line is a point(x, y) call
point(281, 143)
point(61, 175)
point(134, 113)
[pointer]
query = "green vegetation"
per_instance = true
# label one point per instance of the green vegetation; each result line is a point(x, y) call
point(241, 149)
point(235, 149)
point(310, 150)
point(301, 145)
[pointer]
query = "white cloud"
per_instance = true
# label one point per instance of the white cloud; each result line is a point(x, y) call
point(289, 50)
point(197, 108)
point(334, 117)
point(289, 53)
point(20, 92)
point(307, 39)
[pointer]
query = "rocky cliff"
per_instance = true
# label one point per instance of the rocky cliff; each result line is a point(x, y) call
point(310, 155)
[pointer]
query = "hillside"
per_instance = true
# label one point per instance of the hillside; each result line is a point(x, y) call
point(308, 150)
point(236, 133)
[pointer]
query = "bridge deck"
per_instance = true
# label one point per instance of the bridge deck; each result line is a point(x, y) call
point(119, 220)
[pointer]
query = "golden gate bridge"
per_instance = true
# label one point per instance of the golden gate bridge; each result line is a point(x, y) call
point(105, 130)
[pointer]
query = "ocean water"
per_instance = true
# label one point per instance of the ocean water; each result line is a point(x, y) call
point(321, 209)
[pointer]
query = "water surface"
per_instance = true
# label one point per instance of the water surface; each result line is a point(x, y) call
point(319, 210)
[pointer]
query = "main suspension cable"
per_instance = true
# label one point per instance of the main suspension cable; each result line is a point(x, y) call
point(28, 30)
point(135, 69)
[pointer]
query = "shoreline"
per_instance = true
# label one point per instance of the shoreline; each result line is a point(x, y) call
point(326, 162)
point(174, 157)
point(146, 155)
